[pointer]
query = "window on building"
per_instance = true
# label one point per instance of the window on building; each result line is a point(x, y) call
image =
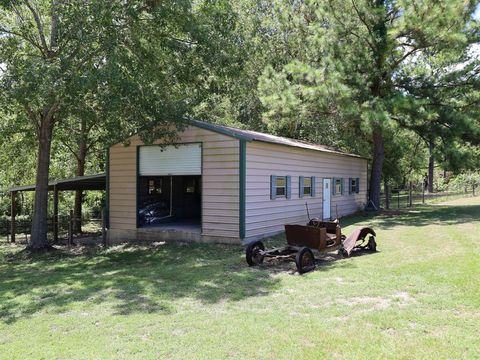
point(306, 186)
point(154, 186)
point(190, 185)
point(354, 185)
point(281, 186)
point(337, 186)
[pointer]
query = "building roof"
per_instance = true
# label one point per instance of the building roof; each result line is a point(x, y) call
point(249, 135)
point(89, 182)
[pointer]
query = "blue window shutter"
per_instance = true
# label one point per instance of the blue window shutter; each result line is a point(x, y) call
point(358, 185)
point(334, 186)
point(273, 187)
point(341, 186)
point(300, 186)
point(313, 186)
point(289, 187)
point(350, 186)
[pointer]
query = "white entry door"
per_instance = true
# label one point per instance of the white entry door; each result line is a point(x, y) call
point(327, 193)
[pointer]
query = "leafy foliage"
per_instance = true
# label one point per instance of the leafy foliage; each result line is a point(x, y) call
point(384, 78)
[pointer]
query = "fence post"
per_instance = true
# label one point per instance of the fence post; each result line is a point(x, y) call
point(398, 198)
point(104, 230)
point(55, 214)
point(13, 214)
point(473, 189)
point(70, 229)
point(410, 202)
point(423, 194)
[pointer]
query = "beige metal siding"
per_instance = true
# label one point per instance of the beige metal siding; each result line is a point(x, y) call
point(264, 216)
point(220, 182)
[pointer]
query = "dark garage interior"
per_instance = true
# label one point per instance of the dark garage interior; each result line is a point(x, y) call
point(168, 200)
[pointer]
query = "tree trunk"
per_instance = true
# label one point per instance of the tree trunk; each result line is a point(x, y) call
point(431, 165)
point(377, 165)
point(81, 157)
point(377, 92)
point(38, 239)
point(386, 190)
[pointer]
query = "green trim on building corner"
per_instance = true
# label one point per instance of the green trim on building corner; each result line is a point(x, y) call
point(107, 188)
point(242, 186)
point(137, 193)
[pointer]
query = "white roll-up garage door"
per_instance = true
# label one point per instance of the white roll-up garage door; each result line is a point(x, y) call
point(184, 159)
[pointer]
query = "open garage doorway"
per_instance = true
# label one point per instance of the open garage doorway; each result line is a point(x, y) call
point(169, 184)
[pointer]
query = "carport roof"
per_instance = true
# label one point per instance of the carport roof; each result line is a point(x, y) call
point(89, 182)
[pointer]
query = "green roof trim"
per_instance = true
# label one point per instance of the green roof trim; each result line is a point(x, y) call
point(248, 135)
point(218, 129)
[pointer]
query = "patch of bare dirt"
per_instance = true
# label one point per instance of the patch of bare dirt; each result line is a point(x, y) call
point(399, 299)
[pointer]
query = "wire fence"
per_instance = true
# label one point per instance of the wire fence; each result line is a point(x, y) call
point(91, 227)
point(404, 198)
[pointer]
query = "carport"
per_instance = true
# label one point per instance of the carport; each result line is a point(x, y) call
point(90, 182)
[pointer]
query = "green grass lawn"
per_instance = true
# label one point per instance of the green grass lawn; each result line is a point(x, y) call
point(418, 297)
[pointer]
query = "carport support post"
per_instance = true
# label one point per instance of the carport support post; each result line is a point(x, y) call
point(70, 229)
point(387, 199)
point(13, 214)
point(410, 194)
point(55, 214)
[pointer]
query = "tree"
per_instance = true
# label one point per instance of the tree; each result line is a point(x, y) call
point(345, 72)
point(441, 105)
point(80, 134)
point(131, 58)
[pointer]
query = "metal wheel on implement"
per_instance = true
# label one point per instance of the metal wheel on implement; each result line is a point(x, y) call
point(253, 253)
point(372, 244)
point(305, 260)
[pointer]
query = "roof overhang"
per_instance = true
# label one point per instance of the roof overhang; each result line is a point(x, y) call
point(248, 135)
point(89, 182)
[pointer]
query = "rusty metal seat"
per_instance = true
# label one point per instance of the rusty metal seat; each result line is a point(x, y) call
point(314, 237)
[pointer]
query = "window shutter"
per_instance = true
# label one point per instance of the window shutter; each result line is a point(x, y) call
point(341, 186)
point(273, 187)
point(313, 186)
point(289, 187)
point(358, 185)
point(334, 186)
point(350, 186)
point(300, 186)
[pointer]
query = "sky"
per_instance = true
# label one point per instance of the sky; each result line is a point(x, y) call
point(476, 15)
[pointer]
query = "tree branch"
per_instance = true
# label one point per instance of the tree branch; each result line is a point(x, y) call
point(39, 24)
point(370, 45)
point(22, 36)
point(364, 22)
point(65, 143)
point(399, 61)
point(53, 28)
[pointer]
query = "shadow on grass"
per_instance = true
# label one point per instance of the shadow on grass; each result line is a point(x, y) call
point(131, 279)
point(136, 279)
point(420, 216)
